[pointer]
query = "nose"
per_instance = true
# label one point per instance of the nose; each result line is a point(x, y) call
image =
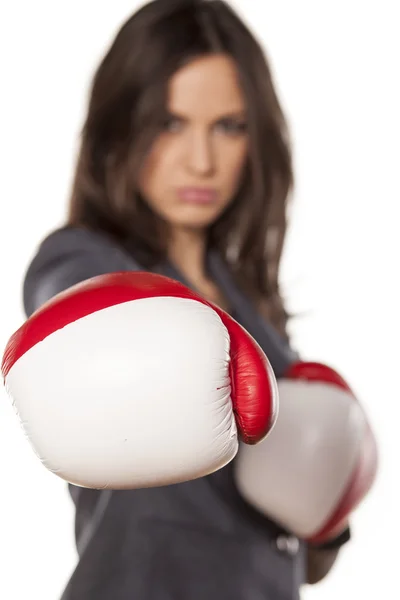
point(199, 154)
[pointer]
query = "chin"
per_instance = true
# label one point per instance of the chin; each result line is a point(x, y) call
point(196, 220)
point(190, 226)
point(193, 224)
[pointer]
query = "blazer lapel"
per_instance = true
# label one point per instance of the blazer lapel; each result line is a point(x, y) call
point(276, 349)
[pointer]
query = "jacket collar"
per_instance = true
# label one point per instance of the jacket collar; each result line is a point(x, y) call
point(274, 346)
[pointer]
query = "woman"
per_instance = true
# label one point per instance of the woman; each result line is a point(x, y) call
point(184, 169)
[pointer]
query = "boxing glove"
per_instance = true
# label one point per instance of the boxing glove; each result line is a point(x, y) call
point(131, 380)
point(319, 461)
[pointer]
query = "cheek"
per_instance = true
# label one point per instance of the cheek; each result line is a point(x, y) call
point(231, 171)
point(156, 172)
point(232, 161)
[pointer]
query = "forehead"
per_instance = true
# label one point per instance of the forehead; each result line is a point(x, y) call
point(206, 87)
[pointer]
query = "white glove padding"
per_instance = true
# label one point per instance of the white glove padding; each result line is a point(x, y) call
point(318, 462)
point(124, 381)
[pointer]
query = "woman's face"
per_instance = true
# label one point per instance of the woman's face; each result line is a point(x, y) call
point(195, 165)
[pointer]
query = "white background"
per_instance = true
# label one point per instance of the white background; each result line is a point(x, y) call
point(336, 65)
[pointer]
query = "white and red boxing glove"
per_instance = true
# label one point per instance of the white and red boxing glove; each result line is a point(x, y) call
point(318, 462)
point(131, 380)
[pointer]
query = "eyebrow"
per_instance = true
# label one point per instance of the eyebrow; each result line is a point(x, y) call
point(241, 113)
point(231, 114)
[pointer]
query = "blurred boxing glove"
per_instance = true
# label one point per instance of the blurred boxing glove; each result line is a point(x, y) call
point(131, 380)
point(319, 461)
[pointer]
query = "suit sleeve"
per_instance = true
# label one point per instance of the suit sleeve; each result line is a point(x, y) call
point(67, 257)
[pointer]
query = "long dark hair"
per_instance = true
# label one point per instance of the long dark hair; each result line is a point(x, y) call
point(127, 109)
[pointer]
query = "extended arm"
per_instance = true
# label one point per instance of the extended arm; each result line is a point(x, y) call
point(66, 257)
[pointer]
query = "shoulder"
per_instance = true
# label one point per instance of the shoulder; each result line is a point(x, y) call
point(68, 240)
point(68, 256)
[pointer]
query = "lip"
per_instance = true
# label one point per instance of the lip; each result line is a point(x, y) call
point(197, 195)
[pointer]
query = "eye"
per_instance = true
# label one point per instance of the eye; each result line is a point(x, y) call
point(173, 124)
point(232, 126)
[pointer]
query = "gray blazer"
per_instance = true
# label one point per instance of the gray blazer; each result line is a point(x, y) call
point(193, 541)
